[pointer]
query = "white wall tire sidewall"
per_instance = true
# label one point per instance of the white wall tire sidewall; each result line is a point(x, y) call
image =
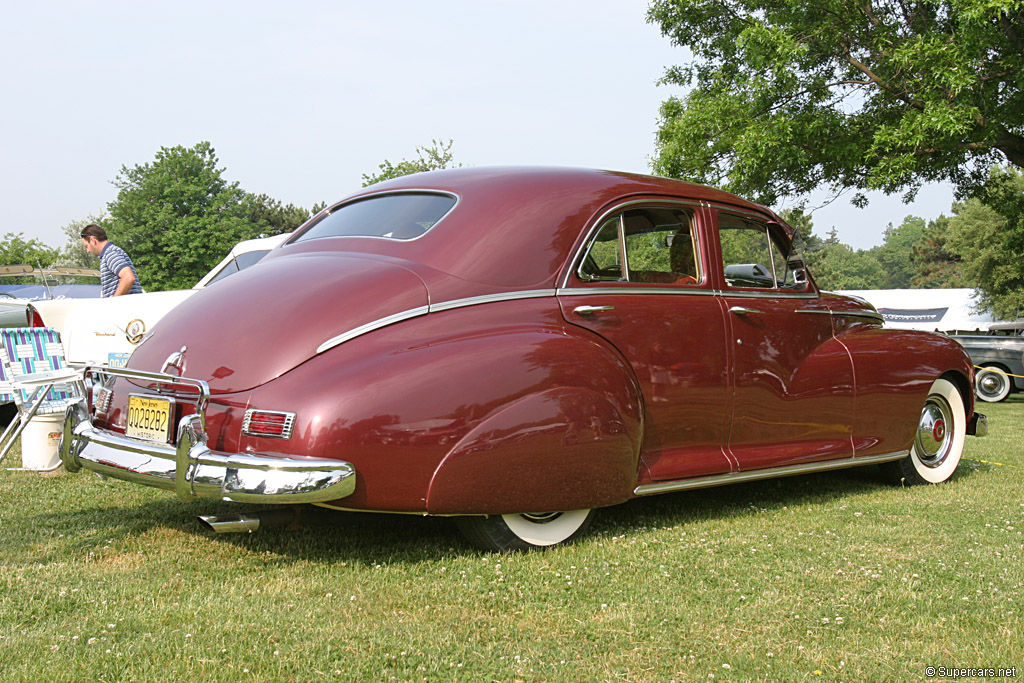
point(937, 475)
point(992, 398)
point(547, 534)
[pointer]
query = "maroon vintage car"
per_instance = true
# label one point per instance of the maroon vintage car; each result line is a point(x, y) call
point(517, 347)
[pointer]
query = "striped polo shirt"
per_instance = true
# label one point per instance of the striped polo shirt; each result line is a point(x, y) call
point(113, 260)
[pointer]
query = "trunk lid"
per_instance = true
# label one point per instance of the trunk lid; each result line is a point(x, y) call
point(258, 324)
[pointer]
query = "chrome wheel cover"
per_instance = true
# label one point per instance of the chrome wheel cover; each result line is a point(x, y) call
point(934, 432)
point(991, 385)
point(545, 528)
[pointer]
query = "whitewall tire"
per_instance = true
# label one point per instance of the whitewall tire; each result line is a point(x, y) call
point(524, 531)
point(938, 440)
point(991, 385)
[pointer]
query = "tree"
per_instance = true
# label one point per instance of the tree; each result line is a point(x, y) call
point(437, 156)
point(273, 217)
point(177, 216)
point(788, 96)
point(838, 266)
point(73, 253)
point(936, 265)
point(896, 253)
point(16, 250)
point(987, 233)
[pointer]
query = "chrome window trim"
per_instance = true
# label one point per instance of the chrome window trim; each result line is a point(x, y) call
point(764, 220)
point(373, 195)
point(579, 291)
point(599, 223)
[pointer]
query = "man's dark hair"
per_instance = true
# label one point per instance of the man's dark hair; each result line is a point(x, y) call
point(93, 230)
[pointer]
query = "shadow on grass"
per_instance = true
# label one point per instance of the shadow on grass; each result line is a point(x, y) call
point(329, 536)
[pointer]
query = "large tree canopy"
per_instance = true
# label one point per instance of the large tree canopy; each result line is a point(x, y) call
point(790, 96)
point(178, 216)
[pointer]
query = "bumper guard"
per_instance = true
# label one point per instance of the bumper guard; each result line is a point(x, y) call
point(190, 468)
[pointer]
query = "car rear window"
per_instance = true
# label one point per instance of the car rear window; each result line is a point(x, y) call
point(394, 216)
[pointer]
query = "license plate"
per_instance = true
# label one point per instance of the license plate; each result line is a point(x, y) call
point(149, 418)
point(117, 360)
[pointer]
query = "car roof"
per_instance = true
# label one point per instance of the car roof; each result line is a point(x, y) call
point(515, 227)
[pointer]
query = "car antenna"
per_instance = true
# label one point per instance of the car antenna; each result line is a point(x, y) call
point(42, 275)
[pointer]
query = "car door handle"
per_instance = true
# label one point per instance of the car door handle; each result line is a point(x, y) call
point(741, 310)
point(587, 310)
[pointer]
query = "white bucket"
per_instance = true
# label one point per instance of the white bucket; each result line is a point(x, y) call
point(40, 440)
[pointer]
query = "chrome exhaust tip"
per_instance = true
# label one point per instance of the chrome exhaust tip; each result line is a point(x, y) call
point(247, 523)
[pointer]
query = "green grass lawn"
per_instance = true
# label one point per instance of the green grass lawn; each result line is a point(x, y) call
point(824, 577)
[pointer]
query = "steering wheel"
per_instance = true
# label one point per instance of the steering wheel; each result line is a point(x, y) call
point(8, 294)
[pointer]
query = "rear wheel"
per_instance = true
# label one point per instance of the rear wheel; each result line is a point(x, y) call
point(524, 531)
point(991, 384)
point(938, 441)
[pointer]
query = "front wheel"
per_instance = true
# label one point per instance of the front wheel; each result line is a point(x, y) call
point(524, 531)
point(938, 441)
point(991, 384)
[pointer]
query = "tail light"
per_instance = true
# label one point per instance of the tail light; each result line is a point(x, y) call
point(32, 317)
point(268, 423)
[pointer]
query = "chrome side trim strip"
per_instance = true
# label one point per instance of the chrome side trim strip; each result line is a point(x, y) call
point(491, 298)
point(577, 291)
point(871, 315)
point(580, 291)
point(767, 473)
point(371, 326)
point(433, 308)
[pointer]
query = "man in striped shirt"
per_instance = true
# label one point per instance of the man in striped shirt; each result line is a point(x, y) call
point(117, 273)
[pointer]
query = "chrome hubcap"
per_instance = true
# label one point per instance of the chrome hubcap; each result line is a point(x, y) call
point(541, 517)
point(934, 438)
point(990, 383)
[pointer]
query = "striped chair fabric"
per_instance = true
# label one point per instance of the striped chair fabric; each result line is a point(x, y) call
point(27, 350)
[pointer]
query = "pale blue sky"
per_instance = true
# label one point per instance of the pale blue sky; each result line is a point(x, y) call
point(302, 98)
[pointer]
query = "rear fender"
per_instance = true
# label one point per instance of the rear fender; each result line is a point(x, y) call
point(566, 448)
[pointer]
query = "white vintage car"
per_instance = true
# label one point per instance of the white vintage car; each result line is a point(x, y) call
point(106, 331)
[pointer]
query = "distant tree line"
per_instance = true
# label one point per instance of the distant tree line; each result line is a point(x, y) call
point(178, 216)
point(977, 246)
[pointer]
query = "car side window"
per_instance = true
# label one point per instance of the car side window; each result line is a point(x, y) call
point(240, 262)
point(603, 261)
point(658, 245)
point(753, 257)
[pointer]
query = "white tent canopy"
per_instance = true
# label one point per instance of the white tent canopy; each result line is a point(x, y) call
point(927, 309)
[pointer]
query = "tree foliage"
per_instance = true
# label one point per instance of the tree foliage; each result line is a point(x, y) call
point(936, 264)
point(789, 96)
point(16, 250)
point(435, 157)
point(987, 234)
point(896, 254)
point(178, 216)
point(272, 217)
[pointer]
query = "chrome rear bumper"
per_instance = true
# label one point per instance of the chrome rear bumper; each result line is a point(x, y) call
point(192, 470)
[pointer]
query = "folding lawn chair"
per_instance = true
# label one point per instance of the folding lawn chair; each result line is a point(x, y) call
point(34, 375)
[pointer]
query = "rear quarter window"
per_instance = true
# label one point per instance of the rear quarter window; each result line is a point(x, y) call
point(403, 216)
